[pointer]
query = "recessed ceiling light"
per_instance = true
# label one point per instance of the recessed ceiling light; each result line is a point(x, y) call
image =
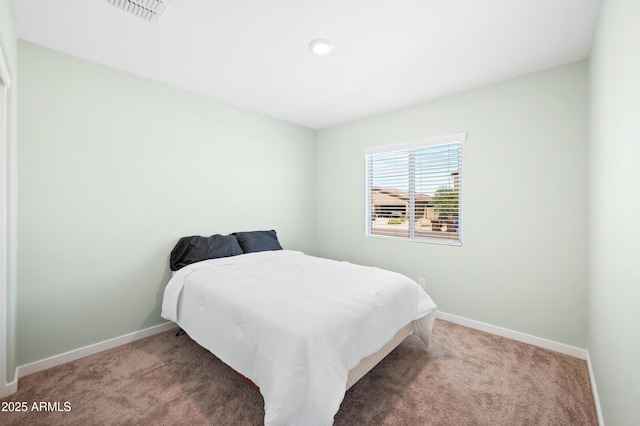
point(321, 46)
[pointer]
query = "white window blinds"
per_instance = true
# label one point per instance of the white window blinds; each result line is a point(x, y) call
point(414, 190)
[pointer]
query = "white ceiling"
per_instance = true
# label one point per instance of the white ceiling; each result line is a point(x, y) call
point(253, 53)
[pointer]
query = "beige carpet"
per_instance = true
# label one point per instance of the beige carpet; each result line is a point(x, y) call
point(466, 377)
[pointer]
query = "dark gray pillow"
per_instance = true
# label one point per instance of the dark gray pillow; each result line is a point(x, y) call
point(258, 241)
point(193, 249)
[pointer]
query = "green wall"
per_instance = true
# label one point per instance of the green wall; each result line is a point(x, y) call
point(112, 170)
point(9, 43)
point(614, 203)
point(522, 265)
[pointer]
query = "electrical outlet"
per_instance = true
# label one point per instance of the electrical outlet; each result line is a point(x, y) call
point(422, 282)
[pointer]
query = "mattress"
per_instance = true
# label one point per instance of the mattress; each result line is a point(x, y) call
point(301, 328)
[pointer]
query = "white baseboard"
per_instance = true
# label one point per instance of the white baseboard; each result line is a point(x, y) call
point(9, 389)
point(516, 335)
point(44, 364)
point(594, 390)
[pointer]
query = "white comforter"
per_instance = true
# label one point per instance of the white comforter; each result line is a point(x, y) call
point(294, 324)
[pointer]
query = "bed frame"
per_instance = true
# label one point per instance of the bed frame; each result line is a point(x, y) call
point(367, 364)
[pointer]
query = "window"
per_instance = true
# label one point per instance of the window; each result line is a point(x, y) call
point(414, 190)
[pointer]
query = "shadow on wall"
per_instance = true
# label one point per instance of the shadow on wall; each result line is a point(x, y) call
point(154, 317)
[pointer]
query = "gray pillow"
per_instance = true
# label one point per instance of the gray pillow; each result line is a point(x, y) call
point(193, 249)
point(258, 241)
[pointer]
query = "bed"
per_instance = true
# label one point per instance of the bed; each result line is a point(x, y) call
point(303, 329)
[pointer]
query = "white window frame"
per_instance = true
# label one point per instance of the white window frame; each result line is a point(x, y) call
point(411, 146)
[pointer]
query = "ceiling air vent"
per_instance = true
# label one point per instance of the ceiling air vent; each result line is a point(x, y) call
point(149, 10)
